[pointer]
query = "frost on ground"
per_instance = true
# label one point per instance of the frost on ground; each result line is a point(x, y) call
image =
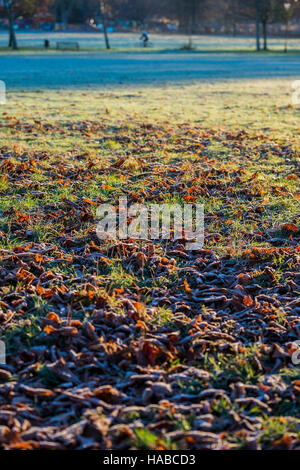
point(145, 345)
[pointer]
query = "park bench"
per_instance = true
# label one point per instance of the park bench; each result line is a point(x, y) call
point(67, 46)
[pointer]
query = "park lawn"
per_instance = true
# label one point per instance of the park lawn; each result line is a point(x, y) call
point(33, 41)
point(162, 348)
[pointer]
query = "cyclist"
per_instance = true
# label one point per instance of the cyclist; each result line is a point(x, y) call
point(145, 38)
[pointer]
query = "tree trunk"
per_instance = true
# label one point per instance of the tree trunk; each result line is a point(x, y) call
point(194, 17)
point(257, 30)
point(12, 33)
point(286, 35)
point(234, 29)
point(65, 19)
point(63, 11)
point(103, 16)
point(58, 14)
point(265, 35)
point(107, 45)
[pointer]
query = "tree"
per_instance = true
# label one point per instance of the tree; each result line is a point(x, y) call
point(138, 10)
point(63, 10)
point(265, 8)
point(188, 12)
point(257, 24)
point(263, 11)
point(104, 11)
point(251, 9)
point(108, 10)
point(284, 12)
point(9, 5)
point(26, 8)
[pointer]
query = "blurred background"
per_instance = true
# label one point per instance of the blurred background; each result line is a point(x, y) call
point(24, 23)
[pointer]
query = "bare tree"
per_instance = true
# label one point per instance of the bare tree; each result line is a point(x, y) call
point(251, 9)
point(9, 4)
point(140, 10)
point(63, 9)
point(257, 24)
point(25, 8)
point(104, 10)
point(265, 11)
point(188, 13)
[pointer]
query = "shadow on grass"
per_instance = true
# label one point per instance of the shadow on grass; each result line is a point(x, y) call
point(149, 51)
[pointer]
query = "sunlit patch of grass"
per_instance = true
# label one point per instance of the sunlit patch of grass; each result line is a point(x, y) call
point(228, 367)
point(39, 305)
point(275, 428)
point(118, 277)
point(191, 387)
point(4, 185)
point(22, 335)
point(146, 440)
point(162, 316)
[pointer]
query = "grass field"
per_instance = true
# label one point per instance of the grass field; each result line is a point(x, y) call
point(121, 41)
point(141, 344)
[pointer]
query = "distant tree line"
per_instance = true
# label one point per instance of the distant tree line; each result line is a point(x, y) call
point(188, 14)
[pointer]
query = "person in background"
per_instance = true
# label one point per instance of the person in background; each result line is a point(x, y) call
point(145, 38)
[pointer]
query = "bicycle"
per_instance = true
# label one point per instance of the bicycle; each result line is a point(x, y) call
point(145, 45)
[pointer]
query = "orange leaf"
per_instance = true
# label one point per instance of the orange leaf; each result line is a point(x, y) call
point(88, 201)
point(53, 317)
point(190, 198)
point(40, 290)
point(289, 228)
point(247, 301)
point(38, 258)
point(187, 287)
point(49, 329)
